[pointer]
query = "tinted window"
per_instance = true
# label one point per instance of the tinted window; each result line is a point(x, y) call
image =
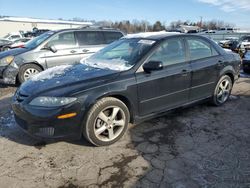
point(89, 38)
point(112, 36)
point(63, 40)
point(15, 36)
point(198, 49)
point(170, 52)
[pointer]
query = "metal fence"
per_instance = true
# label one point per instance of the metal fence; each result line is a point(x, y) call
point(218, 37)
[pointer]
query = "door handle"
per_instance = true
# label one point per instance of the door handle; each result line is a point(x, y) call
point(72, 51)
point(220, 63)
point(85, 50)
point(184, 72)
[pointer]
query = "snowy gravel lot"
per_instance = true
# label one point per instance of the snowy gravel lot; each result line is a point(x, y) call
point(202, 146)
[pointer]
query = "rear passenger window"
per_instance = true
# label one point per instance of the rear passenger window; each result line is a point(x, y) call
point(199, 49)
point(89, 38)
point(112, 36)
point(170, 52)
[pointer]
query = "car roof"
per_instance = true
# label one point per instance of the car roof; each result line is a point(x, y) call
point(152, 35)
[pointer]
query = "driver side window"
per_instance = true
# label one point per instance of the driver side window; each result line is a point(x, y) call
point(169, 52)
point(63, 41)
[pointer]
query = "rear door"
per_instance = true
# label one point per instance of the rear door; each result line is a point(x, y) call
point(67, 50)
point(205, 62)
point(167, 88)
point(89, 42)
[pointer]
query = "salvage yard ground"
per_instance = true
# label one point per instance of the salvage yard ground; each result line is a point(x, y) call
point(202, 146)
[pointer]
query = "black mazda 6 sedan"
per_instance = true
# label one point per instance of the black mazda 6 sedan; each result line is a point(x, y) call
point(135, 78)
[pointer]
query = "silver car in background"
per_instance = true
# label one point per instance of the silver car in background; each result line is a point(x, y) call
point(51, 49)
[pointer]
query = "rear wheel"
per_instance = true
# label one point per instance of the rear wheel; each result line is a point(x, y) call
point(222, 91)
point(27, 71)
point(106, 122)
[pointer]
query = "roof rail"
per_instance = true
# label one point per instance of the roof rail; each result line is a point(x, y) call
point(97, 27)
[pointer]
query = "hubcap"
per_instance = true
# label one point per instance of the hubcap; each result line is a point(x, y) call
point(110, 123)
point(223, 91)
point(29, 73)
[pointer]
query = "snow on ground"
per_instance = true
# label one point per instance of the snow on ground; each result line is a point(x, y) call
point(7, 121)
point(51, 72)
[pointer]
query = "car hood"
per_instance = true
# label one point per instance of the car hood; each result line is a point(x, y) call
point(13, 52)
point(65, 79)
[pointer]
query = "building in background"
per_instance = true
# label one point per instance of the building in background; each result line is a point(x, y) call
point(17, 24)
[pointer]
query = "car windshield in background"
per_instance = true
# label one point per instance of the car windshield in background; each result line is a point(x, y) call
point(38, 40)
point(120, 55)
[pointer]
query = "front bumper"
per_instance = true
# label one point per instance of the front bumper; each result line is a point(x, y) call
point(42, 122)
point(8, 74)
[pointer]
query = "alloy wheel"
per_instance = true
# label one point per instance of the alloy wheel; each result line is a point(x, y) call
point(29, 73)
point(109, 123)
point(223, 91)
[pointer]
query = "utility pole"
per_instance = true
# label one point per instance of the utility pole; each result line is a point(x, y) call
point(201, 22)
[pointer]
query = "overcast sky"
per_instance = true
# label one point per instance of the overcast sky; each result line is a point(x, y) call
point(232, 11)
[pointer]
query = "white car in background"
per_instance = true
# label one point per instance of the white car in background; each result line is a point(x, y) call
point(13, 36)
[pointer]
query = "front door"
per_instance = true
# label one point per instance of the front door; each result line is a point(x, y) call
point(166, 88)
point(67, 50)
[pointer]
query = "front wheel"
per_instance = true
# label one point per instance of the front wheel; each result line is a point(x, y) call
point(27, 71)
point(222, 91)
point(106, 122)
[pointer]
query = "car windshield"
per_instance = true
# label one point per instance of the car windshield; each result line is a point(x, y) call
point(38, 40)
point(120, 55)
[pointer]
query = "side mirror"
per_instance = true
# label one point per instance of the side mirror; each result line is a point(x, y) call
point(152, 66)
point(50, 48)
point(53, 49)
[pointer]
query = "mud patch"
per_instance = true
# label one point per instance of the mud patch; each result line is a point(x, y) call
point(118, 179)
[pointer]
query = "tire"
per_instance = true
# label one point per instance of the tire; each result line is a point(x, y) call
point(222, 91)
point(28, 70)
point(99, 124)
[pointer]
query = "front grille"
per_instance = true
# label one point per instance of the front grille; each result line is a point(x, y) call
point(46, 131)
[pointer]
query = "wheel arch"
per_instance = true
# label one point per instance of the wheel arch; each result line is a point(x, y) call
point(229, 71)
point(120, 97)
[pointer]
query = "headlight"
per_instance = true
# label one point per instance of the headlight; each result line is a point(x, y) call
point(52, 101)
point(7, 60)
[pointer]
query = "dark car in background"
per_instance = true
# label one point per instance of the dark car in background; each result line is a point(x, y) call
point(135, 78)
point(35, 33)
point(51, 49)
point(246, 62)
